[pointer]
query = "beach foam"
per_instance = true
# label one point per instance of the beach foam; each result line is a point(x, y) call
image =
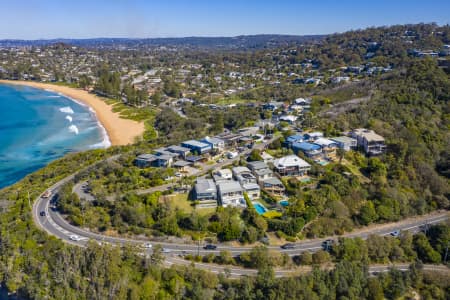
point(74, 129)
point(69, 118)
point(66, 110)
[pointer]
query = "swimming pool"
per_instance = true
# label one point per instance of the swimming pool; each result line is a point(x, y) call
point(260, 209)
point(284, 203)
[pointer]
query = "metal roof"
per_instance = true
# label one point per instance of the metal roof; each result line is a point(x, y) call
point(229, 186)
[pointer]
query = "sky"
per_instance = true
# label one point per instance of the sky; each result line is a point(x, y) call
point(44, 19)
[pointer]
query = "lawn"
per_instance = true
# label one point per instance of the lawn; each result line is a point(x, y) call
point(179, 201)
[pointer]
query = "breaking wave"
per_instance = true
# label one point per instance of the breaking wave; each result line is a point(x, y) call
point(67, 110)
point(69, 118)
point(74, 129)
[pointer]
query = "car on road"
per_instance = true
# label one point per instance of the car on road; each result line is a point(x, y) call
point(395, 233)
point(210, 247)
point(166, 250)
point(147, 246)
point(42, 213)
point(327, 244)
point(47, 194)
point(75, 237)
point(288, 246)
point(221, 160)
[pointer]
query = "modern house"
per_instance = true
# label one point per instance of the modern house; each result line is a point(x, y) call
point(248, 181)
point(163, 161)
point(205, 189)
point(215, 143)
point(291, 165)
point(273, 186)
point(181, 165)
point(181, 151)
point(290, 119)
point(312, 136)
point(345, 142)
point(296, 138)
point(267, 158)
point(261, 170)
point(144, 160)
point(328, 147)
point(311, 150)
point(223, 175)
point(372, 143)
point(230, 193)
point(197, 147)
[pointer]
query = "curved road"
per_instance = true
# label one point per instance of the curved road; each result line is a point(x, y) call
point(54, 224)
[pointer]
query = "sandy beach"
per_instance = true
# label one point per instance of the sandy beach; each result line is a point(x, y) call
point(120, 131)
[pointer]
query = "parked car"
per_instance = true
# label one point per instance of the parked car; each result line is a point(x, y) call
point(210, 247)
point(288, 246)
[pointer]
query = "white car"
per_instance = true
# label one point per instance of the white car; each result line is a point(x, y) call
point(75, 238)
point(147, 246)
point(166, 250)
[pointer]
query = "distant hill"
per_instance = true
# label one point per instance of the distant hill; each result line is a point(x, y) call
point(237, 42)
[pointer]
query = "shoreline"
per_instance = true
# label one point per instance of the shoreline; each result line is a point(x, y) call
point(119, 131)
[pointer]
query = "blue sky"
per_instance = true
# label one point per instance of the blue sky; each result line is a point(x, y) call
point(35, 19)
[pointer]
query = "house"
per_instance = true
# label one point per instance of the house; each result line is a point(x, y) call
point(296, 138)
point(273, 186)
point(181, 151)
point(249, 131)
point(164, 151)
point(163, 161)
point(328, 147)
point(261, 170)
point(288, 119)
point(222, 174)
point(372, 143)
point(312, 136)
point(311, 150)
point(215, 143)
point(205, 189)
point(196, 146)
point(267, 158)
point(272, 106)
point(230, 193)
point(291, 165)
point(345, 142)
point(144, 160)
point(248, 181)
point(181, 165)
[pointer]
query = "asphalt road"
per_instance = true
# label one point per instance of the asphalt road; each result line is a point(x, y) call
point(54, 224)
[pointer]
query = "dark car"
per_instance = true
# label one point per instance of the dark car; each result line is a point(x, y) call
point(288, 246)
point(327, 244)
point(42, 213)
point(210, 247)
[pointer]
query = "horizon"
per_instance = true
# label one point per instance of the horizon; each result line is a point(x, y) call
point(138, 19)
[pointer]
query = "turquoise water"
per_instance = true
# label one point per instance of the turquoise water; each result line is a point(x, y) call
point(260, 209)
point(38, 126)
point(284, 203)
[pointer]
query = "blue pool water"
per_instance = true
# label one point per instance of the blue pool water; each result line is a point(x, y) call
point(39, 126)
point(260, 209)
point(284, 202)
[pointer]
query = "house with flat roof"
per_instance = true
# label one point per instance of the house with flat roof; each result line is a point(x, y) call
point(372, 143)
point(196, 146)
point(312, 136)
point(205, 189)
point(345, 142)
point(182, 165)
point(164, 161)
point(144, 160)
point(215, 143)
point(291, 165)
point(296, 138)
point(261, 170)
point(290, 119)
point(230, 193)
point(181, 151)
point(328, 147)
point(222, 175)
point(273, 186)
point(267, 158)
point(311, 150)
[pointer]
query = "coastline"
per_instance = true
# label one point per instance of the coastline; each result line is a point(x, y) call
point(119, 131)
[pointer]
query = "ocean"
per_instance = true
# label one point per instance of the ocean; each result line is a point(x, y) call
point(39, 126)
